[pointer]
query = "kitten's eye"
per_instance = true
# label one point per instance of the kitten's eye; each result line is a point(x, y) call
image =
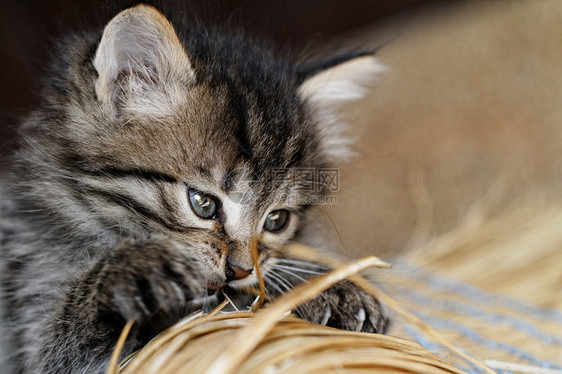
point(203, 205)
point(276, 220)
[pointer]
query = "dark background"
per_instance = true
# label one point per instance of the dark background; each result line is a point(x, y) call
point(28, 29)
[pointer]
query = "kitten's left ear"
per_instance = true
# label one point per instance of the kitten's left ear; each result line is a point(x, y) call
point(139, 59)
point(327, 88)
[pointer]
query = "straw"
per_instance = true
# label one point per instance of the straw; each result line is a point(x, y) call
point(249, 337)
point(261, 282)
point(113, 367)
point(515, 251)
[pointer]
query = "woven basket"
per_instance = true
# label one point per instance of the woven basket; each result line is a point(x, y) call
point(486, 297)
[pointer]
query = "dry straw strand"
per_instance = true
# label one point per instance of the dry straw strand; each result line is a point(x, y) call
point(261, 282)
point(307, 252)
point(528, 236)
point(248, 337)
point(231, 340)
point(113, 362)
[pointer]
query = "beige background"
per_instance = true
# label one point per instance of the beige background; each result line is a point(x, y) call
point(471, 108)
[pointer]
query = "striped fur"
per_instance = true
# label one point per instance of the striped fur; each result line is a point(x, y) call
point(96, 224)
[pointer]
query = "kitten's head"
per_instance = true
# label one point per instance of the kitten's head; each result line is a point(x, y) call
point(200, 136)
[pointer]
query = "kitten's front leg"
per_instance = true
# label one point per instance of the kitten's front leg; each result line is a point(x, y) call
point(149, 282)
point(344, 305)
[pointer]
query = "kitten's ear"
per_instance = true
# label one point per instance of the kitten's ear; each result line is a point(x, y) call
point(327, 88)
point(139, 55)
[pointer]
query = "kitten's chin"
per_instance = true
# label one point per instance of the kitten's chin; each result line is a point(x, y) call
point(249, 281)
point(212, 287)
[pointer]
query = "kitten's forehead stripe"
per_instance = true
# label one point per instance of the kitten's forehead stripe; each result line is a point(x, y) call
point(227, 180)
point(239, 109)
point(116, 172)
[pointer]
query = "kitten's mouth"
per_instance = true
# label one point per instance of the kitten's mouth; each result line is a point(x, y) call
point(212, 287)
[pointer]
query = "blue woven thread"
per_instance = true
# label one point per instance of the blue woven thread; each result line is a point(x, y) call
point(469, 309)
point(432, 346)
point(479, 297)
point(489, 343)
point(422, 340)
point(470, 292)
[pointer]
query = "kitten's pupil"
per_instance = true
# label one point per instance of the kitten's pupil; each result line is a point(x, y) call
point(203, 205)
point(276, 220)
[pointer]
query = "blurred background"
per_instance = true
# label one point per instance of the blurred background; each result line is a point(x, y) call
point(469, 115)
point(469, 110)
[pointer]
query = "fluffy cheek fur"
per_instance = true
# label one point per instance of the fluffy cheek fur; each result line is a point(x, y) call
point(209, 250)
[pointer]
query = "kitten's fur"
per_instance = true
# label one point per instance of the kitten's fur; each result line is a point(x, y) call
point(97, 227)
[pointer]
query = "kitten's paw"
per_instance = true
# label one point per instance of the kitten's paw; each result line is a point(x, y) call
point(348, 307)
point(149, 282)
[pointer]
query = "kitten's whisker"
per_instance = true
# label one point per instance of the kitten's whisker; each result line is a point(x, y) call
point(293, 275)
point(305, 263)
point(275, 286)
point(280, 280)
point(298, 270)
point(276, 282)
point(127, 121)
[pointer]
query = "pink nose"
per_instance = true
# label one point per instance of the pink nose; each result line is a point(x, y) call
point(235, 273)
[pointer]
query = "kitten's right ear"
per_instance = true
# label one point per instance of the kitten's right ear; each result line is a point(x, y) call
point(327, 87)
point(139, 59)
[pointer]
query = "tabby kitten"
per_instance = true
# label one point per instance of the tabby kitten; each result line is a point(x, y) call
point(153, 160)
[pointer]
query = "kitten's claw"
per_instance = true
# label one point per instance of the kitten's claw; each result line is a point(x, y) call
point(177, 291)
point(327, 315)
point(139, 303)
point(346, 306)
point(360, 319)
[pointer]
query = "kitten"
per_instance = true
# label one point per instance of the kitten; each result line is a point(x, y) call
point(153, 160)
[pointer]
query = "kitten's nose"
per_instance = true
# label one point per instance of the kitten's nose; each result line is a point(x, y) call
point(233, 272)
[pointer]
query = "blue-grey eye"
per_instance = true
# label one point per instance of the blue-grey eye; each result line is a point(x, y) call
point(203, 205)
point(276, 220)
